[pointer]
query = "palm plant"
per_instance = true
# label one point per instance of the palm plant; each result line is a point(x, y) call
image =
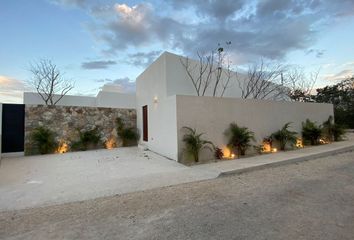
point(44, 140)
point(129, 136)
point(195, 143)
point(311, 132)
point(284, 136)
point(338, 132)
point(331, 130)
point(87, 139)
point(239, 138)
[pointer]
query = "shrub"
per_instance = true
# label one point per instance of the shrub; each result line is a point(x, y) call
point(331, 130)
point(284, 136)
point(195, 143)
point(218, 153)
point(44, 140)
point(239, 138)
point(129, 136)
point(338, 132)
point(311, 133)
point(87, 139)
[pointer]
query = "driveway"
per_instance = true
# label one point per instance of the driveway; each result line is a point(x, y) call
point(50, 179)
point(61, 178)
point(308, 200)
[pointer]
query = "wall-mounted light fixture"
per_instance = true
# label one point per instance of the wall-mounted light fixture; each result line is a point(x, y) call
point(155, 99)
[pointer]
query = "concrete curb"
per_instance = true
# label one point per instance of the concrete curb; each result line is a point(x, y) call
point(288, 161)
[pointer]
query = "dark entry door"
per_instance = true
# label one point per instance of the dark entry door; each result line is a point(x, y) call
point(13, 128)
point(145, 123)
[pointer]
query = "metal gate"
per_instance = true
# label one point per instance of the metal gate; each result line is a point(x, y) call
point(13, 128)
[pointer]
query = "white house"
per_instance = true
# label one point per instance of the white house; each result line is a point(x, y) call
point(166, 101)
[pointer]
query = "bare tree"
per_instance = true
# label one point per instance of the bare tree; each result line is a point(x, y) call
point(210, 71)
point(300, 85)
point(262, 81)
point(49, 82)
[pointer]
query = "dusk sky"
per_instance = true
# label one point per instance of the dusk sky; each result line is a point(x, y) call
point(107, 44)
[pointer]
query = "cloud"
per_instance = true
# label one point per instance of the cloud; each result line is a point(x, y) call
point(317, 52)
point(346, 73)
point(259, 28)
point(349, 64)
point(210, 8)
point(69, 3)
point(142, 59)
point(97, 64)
point(121, 85)
point(267, 28)
point(11, 89)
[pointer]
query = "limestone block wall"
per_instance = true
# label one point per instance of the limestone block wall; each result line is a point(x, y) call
point(65, 121)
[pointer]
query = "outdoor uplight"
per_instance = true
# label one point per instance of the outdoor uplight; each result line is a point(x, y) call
point(155, 99)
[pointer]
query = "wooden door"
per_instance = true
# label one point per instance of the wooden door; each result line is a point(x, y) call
point(145, 123)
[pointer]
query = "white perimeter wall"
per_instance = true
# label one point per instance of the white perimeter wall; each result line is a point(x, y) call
point(0, 127)
point(115, 100)
point(213, 115)
point(32, 98)
point(103, 99)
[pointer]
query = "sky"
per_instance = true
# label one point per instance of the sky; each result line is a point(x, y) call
point(106, 44)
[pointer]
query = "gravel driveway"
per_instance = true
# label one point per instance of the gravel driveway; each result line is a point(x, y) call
point(309, 200)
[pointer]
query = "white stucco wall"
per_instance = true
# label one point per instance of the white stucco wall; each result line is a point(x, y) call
point(179, 83)
point(213, 115)
point(103, 99)
point(33, 98)
point(0, 127)
point(115, 100)
point(162, 126)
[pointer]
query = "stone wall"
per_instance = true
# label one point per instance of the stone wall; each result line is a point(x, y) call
point(65, 122)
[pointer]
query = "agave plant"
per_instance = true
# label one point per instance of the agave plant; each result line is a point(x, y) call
point(239, 138)
point(195, 143)
point(284, 136)
point(331, 130)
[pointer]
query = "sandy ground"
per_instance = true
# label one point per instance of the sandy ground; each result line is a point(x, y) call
point(60, 178)
point(38, 181)
point(308, 200)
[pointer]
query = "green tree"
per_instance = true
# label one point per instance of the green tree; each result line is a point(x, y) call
point(341, 95)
